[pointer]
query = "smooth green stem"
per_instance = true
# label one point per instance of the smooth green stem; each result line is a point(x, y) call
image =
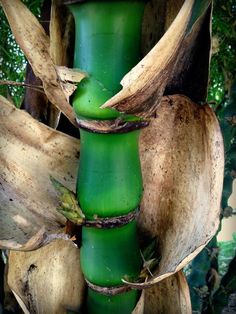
point(115, 253)
point(109, 181)
point(107, 46)
point(110, 184)
point(118, 304)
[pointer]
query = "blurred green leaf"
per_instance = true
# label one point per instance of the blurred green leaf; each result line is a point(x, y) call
point(227, 287)
point(227, 251)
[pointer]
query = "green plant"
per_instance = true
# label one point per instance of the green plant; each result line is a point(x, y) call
point(176, 126)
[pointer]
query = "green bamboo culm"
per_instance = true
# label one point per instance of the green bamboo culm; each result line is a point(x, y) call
point(107, 46)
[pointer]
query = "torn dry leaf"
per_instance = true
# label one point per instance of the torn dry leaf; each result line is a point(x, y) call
point(58, 23)
point(68, 89)
point(67, 77)
point(29, 153)
point(145, 84)
point(191, 69)
point(33, 276)
point(182, 158)
point(34, 42)
point(70, 75)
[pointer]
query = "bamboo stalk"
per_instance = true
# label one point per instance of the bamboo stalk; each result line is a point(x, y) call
point(109, 181)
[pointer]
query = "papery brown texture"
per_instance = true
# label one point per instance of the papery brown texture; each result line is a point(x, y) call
point(170, 296)
point(35, 101)
point(35, 44)
point(139, 308)
point(182, 158)
point(29, 153)
point(145, 84)
point(47, 280)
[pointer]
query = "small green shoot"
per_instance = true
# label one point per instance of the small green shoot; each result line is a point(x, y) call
point(69, 206)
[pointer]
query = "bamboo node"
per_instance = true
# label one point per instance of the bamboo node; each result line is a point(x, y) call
point(117, 126)
point(109, 291)
point(112, 222)
point(70, 209)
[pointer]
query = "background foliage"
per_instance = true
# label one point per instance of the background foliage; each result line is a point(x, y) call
point(212, 275)
point(223, 62)
point(12, 60)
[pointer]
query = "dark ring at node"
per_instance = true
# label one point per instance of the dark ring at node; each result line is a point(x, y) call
point(110, 126)
point(110, 291)
point(112, 222)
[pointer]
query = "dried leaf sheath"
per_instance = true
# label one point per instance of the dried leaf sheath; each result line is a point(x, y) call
point(182, 159)
point(145, 84)
point(29, 153)
point(32, 39)
point(45, 280)
point(170, 296)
